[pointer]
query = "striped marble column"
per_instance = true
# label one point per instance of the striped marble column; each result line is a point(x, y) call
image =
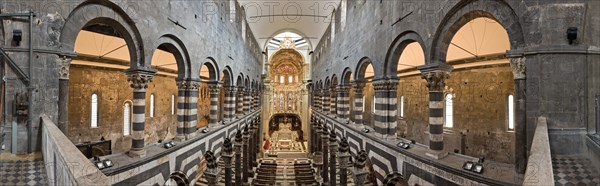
point(333, 101)
point(214, 88)
point(256, 100)
point(358, 101)
point(247, 100)
point(139, 80)
point(326, 101)
point(229, 104)
point(435, 83)
point(317, 100)
point(187, 108)
point(343, 102)
point(240, 102)
point(385, 107)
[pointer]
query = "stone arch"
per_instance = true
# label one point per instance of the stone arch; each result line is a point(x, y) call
point(213, 69)
point(396, 49)
point(240, 80)
point(327, 83)
point(175, 46)
point(466, 11)
point(247, 82)
point(227, 76)
point(361, 68)
point(394, 179)
point(334, 81)
point(108, 14)
point(346, 76)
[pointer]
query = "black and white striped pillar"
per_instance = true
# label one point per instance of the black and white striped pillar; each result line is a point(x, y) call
point(237, 147)
point(317, 100)
point(436, 82)
point(187, 108)
point(139, 80)
point(385, 107)
point(326, 99)
point(240, 102)
point(230, 93)
point(358, 87)
point(343, 102)
point(247, 99)
point(325, 150)
point(333, 101)
point(333, 149)
point(214, 88)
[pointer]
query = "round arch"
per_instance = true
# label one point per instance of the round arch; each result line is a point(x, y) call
point(213, 69)
point(240, 80)
point(295, 31)
point(334, 81)
point(361, 68)
point(108, 14)
point(227, 76)
point(175, 46)
point(346, 76)
point(466, 11)
point(395, 51)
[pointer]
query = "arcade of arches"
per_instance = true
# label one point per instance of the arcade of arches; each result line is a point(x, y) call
point(468, 92)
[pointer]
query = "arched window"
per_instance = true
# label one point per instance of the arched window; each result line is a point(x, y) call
point(151, 105)
point(373, 104)
point(281, 79)
point(290, 79)
point(363, 103)
point(401, 105)
point(449, 120)
point(511, 112)
point(172, 104)
point(94, 116)
point(127, 119)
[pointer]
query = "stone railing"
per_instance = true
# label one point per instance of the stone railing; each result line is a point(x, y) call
point(65, 164)
point(539, 165)
point(159, 163)
point(387, 158)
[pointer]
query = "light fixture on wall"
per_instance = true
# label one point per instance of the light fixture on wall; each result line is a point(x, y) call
point(205, 130)
point(468, 165)
point(474, 167)
point(571, 34)
point(17, 37)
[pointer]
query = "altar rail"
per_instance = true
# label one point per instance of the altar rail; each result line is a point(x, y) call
point(65, 165)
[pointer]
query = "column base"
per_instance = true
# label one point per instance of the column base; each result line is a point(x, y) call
point(436, 154)
point(190, 136)
point(137, 153)
point(180, 137)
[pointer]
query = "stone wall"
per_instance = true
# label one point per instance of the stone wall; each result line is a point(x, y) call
point(200, 29)
point(113, 91)
point(561, 82)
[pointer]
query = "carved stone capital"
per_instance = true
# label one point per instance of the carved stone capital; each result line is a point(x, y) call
point(63, 67)
point(385, 85)
point(139, 80)
point(188, 85)
point(358, 85)
point(518, 67)
point(343, 88)
point(214, 87)
point(230, 89)
point(435, 79)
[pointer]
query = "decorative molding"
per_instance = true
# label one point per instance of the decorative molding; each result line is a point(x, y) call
point(139, 80)
point(518, 68)
point(435, 79)
point(63, 67)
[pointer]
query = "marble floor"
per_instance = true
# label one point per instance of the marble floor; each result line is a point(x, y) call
point(574, 170)
point(22, 172)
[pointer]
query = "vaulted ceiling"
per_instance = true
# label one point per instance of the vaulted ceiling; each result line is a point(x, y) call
point(308, 18)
